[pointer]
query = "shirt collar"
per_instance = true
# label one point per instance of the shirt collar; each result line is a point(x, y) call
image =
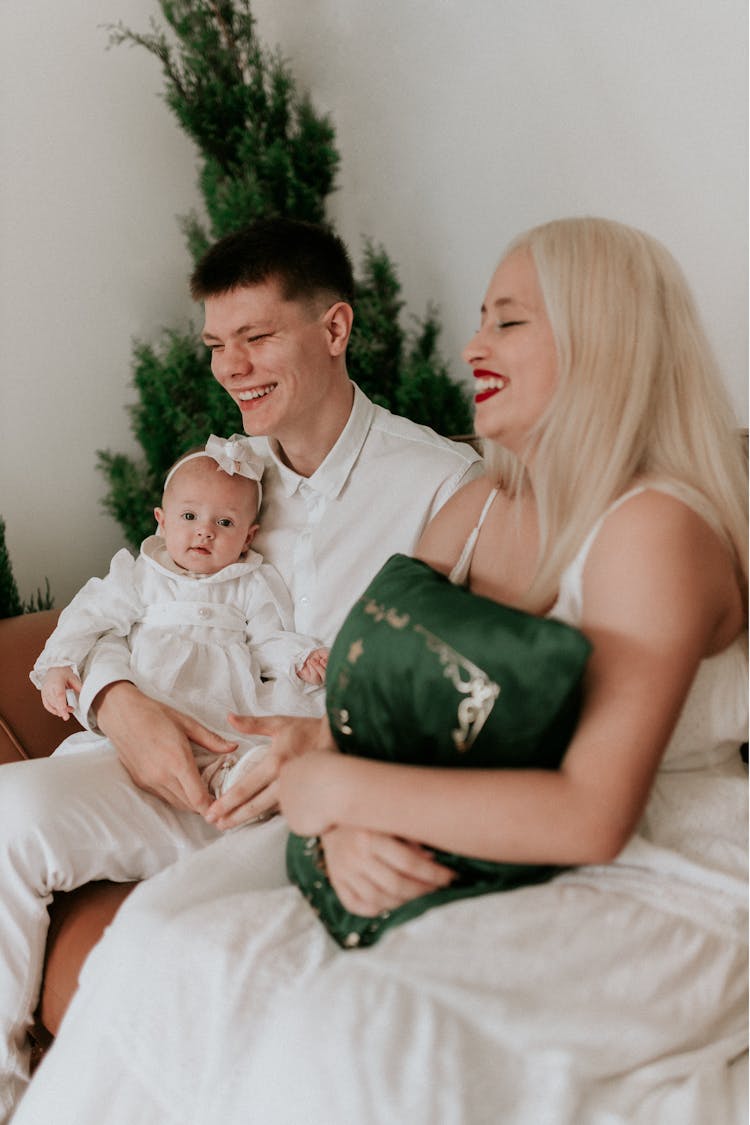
point(330, 477)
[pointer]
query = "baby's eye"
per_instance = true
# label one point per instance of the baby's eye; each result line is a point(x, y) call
point(188, 515)
point(225, 522)
point(510, 323)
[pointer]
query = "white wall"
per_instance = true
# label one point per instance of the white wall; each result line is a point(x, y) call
point(459, 122)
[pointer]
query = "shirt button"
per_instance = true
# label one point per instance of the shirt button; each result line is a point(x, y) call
point(203, 613)
point(304, 600)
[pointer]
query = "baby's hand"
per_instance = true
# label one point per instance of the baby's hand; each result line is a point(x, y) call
point(313, 671)
point(56, 683)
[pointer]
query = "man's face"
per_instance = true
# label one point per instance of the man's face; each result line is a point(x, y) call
point(272, 356)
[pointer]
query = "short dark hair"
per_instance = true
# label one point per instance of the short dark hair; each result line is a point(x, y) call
point(306, 259)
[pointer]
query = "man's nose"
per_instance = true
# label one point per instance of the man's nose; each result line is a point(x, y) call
point(230, 361)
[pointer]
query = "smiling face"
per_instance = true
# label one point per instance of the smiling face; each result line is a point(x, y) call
point(513, 355)
point(283, 363)
point(207, 516)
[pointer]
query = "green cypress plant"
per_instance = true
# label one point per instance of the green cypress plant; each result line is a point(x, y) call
point(263, 151)
point(11, 604)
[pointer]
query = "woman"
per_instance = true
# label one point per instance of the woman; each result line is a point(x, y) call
point(614, 500)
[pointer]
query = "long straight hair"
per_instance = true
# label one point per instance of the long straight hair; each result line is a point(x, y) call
point(639, 395)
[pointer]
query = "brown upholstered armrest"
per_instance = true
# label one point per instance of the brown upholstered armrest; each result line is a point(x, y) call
point(26, 729)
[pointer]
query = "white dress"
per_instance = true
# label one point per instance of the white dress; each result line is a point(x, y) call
point(205, 644)
point(613, 995)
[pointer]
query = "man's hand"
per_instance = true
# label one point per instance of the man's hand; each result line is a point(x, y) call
point(256, 792)
point(371, 872)
point(56, 682)
point(153, 743)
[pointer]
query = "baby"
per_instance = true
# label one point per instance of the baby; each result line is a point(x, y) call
point(208, 623)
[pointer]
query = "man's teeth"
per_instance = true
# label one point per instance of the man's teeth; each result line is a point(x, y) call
point(258, 392)
point(490, 382)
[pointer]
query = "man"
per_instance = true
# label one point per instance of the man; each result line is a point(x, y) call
point(346, 485)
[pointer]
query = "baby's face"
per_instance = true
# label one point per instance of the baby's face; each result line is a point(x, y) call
point(207, 517)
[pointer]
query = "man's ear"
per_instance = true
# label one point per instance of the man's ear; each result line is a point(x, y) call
point(338, 320)
point(159, 514)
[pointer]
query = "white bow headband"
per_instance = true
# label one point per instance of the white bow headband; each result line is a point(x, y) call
point(233, 455)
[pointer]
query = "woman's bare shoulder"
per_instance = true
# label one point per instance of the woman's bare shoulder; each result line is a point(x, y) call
point(657, 560)
point(442, 540)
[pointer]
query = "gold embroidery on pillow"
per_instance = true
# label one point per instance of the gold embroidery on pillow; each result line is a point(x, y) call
point(480, 691)
point(390, 616)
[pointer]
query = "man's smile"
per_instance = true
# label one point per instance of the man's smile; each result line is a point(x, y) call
point(256, 393)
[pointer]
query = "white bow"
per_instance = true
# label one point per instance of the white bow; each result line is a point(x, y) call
point(233, 455)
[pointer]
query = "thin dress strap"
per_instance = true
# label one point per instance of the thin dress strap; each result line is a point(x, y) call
point(569, 604)
point(459, 575)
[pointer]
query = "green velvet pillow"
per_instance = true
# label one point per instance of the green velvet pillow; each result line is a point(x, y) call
point(426, 673)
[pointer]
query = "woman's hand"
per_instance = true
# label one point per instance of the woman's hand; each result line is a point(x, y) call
point(371, 872)
point(256, 793)
point(311, 790)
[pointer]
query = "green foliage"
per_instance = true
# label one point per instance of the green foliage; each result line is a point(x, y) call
point(377, 342)
point(11, 604)
point(178, 407)
point(263, 150)
point(401, 371)
point(426, 391)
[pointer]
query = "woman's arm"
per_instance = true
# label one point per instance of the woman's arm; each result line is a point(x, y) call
point(659, 595)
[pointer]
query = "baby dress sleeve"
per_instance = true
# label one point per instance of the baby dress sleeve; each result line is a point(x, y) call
point(279, 650)
point(104, 606)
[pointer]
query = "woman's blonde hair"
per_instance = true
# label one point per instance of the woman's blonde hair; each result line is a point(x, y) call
point(639, 394)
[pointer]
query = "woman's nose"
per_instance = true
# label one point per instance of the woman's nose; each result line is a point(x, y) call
point(475, 348)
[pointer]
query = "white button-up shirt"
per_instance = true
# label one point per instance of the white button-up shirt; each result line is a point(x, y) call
point(328, 534)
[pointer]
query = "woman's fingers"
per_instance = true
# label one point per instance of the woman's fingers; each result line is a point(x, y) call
point(255, 793)
point(372, 872)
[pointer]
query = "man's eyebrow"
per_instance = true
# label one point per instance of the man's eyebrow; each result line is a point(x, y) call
point(241, 331)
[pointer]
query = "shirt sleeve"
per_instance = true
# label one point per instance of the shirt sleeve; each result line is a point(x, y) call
point(452, 484)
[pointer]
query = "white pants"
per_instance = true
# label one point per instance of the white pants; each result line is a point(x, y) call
point(65, 821)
